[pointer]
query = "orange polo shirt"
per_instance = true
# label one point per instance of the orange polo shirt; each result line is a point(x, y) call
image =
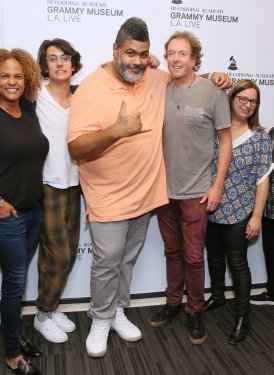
point(128, 179)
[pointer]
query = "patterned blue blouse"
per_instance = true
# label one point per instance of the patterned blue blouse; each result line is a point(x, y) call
point(251, 163)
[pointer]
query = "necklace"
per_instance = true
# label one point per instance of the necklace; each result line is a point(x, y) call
point(180, 101)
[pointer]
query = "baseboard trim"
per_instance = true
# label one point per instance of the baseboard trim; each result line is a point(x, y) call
point(29, 308)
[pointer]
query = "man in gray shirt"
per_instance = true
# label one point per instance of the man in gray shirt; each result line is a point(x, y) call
point(195, 111)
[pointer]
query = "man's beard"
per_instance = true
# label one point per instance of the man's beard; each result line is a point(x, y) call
point(125, 73)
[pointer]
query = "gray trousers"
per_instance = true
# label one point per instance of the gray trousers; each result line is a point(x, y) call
point(116, 246)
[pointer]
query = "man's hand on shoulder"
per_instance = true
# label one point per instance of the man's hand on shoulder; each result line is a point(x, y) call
point(221, 80)
point(153, 61)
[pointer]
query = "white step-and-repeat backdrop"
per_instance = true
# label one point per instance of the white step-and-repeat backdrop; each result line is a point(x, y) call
point(236, 38)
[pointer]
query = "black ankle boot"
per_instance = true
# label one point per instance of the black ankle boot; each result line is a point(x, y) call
point(240, 329)
point(214, 302)
point(164, 315)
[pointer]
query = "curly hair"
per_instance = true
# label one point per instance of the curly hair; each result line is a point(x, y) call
point(64, 46)
point(30, 69)
point(195, 46)
point(239, 86)
point(133, 28)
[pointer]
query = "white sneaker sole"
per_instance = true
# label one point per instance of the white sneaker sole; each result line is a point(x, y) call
point(126, 338)
point(55, 341)
point(96, 355)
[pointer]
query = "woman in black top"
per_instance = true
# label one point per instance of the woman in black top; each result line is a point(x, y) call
point(22, 154)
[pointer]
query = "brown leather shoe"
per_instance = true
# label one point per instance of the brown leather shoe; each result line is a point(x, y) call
point(24, 368)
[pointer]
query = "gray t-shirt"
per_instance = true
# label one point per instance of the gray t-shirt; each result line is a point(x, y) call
point(192, 114)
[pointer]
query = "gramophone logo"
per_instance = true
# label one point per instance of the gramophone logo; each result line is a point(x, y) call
point(232, 64)
point(177, 2)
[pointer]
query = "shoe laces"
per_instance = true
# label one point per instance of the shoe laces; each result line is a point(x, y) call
point(120, 317)
point(100, 327)
point(59, 314)
point(196, 321)
point(52, 326)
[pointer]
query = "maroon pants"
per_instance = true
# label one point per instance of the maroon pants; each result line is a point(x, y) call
point(183, 225)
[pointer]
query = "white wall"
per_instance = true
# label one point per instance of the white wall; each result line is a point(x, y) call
point(244, 32)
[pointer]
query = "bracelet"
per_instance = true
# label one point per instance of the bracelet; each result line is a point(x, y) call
point(2, 201)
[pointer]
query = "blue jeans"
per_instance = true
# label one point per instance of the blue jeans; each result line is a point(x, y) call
point(18, 241)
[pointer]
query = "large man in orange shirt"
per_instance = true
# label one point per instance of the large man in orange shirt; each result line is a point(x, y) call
point(115, 131)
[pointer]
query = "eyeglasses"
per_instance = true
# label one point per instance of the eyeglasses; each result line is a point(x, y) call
point(245, 100)
point(63, 58)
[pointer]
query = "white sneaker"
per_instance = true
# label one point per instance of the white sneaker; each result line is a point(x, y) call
point(96, 342)
point(125, 329)
point(63, 321)
point(50, 330)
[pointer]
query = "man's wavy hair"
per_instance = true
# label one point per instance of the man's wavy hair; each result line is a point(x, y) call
point(64, 46)
point(195, 46)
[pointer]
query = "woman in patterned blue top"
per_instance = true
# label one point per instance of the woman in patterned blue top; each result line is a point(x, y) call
point(238, 217)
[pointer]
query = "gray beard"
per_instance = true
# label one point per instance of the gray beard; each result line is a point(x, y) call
point(126, 74)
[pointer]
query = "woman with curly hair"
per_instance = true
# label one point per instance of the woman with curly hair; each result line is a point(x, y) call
point(238, 217)
point(22, 154)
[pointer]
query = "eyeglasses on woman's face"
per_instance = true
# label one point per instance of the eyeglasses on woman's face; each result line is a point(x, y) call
point(245, 100)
